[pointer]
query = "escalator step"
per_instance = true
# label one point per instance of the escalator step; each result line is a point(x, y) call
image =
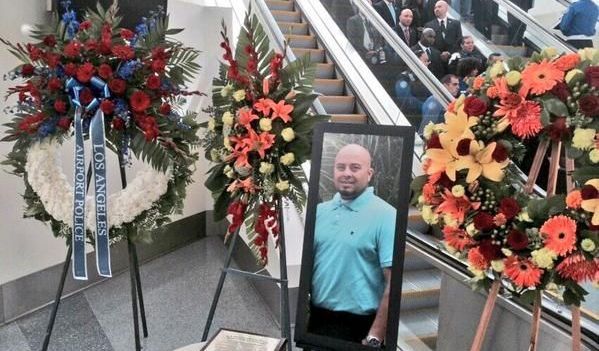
point(286, 16)
point(279, 5)
point(329, 86)
point(349, 118)
point(325, 70)
point(301, 41)
point(418, 329)
point(338, 104)
point(293, 28)
point(316, 55)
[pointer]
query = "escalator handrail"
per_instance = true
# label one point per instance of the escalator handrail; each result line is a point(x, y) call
point(545, 35)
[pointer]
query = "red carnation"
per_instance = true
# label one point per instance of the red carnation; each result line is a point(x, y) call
point(589, 105)
point(85, 25)
point(50, 41)
point(158, 65)
point(86, 96)
point(54, 84)
point(474, 106)
point(139, 101)
point(64, 123)
point(105, 71)
point(489, 251)
point(509, 207)
point(117, 86)
point(105, 47)
point(434, 142)
point(70, 69)
point(127, 34)
point(52, 59)
point(158, 53)
point(91, 45)
point(500, 153)
point(165, 109)
point(72, 49)
point(27, 70)
point(588, 192)
point(60, 106)
point(107, 107)
point(85, 72)
point(153, 82)
point(592, 76)
point(561, 91)
point(517, 240)
point(124, 52)
point(34, 52)
point(118, 123)
point(463, 147)
point(483, 221)
point(558, 129)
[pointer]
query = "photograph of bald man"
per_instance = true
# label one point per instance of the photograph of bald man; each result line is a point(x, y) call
point(353, 254)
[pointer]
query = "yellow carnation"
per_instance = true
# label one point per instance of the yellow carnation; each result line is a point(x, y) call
point(283, 185)
point(497, 69)
point(587, 53)
point(228, 118)
point(573, 76)
point(513, 78)
point(478, 274)
point(239, 95)
point(229, 171)
point(429, 129)
point(549, 52)
point(266, 168)
point(288, 158)
point(594, 155)
point(584, 138)
point(288, 134)
point(588, 245)
point(498, 265)
point(226, 90)
point(471, 229)
point(543, 258)
point(428, 215)
point(227, 143)
point(211, 124)
point(506, 252)
point(458, 191)
point(265, 124)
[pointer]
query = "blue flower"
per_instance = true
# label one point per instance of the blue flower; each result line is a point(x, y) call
point(142, 29)
point(47, 128)
point(127, 69)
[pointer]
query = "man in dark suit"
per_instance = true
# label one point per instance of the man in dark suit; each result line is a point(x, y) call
point(438, 65)
point(361, 35)
point(388, 12)
point(449, 31)
point(404, 28)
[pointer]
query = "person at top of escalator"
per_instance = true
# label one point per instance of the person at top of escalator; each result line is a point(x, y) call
point(438, 65)
point(578, 23)
point(388, 11)
point(449, 31)
point(468, 49)
point(468, 68)
point(404, 28)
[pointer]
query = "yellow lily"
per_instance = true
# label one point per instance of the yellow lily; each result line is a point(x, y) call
point(442, 160)
point(457, 126)
point(480, 162)
point(592, 205)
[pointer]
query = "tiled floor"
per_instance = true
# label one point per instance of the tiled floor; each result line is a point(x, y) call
point(178, 289)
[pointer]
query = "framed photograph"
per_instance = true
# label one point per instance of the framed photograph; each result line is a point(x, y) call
point(234, 340)
point(354, 242)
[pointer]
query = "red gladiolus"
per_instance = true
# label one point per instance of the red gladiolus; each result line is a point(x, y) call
point(236, 209)
point(117, 86)
point(70, 69)
point(27, 70)
point(30, 123)
point(64, 123)
point(34, 52)
point(50, 41)
point(72, 49)
point(85, 72)
point(118, 123)
point(139, 101)
point(60, 106)
point(127, 34)
point(54, 84)
point(105, 71)
point(158, 65)
point(165, 109)
point(124, 52)
point(107, 107)
point(85, 25)
point(153, 82)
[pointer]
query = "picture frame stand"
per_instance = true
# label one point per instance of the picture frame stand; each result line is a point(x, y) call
point(137, 299)
point(282, 280)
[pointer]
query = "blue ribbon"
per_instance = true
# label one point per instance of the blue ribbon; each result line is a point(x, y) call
point(100, 90)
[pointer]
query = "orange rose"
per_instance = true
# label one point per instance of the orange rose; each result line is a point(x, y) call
point(567, 62)
point(574, 199)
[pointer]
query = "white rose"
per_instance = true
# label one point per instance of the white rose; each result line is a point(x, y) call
point(228, 118)
point(288, 134)
point(282, 186)
point(266, 168)
point(239, 95)
point(288, 158)
point(265, 124)
point(211, 124)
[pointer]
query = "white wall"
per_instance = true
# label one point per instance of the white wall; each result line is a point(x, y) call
point(27, 246)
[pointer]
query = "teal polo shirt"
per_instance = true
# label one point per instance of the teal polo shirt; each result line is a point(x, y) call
point(353, 242)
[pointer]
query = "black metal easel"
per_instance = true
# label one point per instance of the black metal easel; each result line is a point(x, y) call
point(284, 314)
point(136, 291)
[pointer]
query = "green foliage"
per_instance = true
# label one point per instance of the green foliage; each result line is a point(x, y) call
point(541, 209)
point(299, 75)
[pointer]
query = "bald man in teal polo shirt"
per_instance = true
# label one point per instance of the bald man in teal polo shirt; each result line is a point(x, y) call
point(353, 255)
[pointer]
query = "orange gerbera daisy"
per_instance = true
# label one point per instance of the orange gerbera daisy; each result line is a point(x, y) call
point(526, 122)
point(539, 78)
point(457, 238)
point(456, 207)
point(559, 233)
point(477, 260)
point(478, 82)
point(579, 269)
point(522, 272)
point(502, 87)
point(567, 62)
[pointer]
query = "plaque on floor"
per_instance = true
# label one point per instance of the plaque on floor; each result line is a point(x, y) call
point(234, 340)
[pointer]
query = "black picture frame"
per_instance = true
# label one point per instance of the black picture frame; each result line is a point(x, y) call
point(302, 337)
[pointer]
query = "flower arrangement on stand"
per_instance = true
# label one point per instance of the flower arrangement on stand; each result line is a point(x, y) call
point(472, 190)
point(137, 80)
point(259, 134)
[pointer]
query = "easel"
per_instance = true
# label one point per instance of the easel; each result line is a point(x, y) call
point(136, 291)
point(556, 151)
point(284, 318)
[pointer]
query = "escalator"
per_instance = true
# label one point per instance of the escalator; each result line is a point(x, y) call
point(370, 91)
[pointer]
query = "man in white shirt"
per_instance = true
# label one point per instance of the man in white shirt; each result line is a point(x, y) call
point(449, 31)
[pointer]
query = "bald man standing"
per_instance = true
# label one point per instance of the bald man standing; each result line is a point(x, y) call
point(353, 255)
point(449, 31)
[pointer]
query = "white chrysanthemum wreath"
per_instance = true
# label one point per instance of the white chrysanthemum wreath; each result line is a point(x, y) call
point(45, 175)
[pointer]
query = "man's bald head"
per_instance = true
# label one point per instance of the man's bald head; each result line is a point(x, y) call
point(352, 171)
point(441, 8)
